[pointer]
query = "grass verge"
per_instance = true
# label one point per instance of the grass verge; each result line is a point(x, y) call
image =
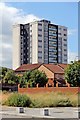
point(53, 99)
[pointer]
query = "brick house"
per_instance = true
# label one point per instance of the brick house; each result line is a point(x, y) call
point(54, 72)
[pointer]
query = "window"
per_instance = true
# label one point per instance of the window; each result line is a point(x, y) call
point(39, 35)
point(65, 44)
point(65, 29)
point(65, 35)
point(60, 28)
point(59, 33)
point(39, 24)
point(65, 50)
point(24, 59)
point(39, 57)
point(22, 26)
point(39, 29)
point(39, 40)
point(45, 30)
point(39, 51)
point(21, 42)
point(46, 42)
point(21, 37)
point(22, 32)
point(60, 38)
point(65, 60)
point(40, 46)
point(65, 55)
point(65, 39)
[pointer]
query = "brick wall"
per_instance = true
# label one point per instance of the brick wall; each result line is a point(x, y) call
point(73, 90)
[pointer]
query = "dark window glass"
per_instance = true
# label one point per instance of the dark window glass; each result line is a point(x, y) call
point(39, 35)
point(39, 29)
point(65, 35)
point(39, 24)
point(65, 39)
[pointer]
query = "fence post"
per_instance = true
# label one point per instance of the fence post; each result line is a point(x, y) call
point(57, 84)
point(67, 84)
point(37, 85)
point(46, 85)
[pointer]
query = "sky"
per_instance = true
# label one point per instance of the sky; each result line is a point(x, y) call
point(61, 13)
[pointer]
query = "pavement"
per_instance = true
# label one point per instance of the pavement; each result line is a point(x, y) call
point(55, 112)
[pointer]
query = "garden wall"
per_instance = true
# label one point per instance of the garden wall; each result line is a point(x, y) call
point(73, 90)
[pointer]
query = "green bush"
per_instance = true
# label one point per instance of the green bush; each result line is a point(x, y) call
point(36, 104)
point(64, 103)
point(18, 100)
point(55, 102)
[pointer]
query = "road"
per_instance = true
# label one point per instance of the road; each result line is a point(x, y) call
point(38, 113)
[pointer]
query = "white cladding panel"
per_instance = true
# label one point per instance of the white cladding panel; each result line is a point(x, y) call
point(16, 46)
point(34, 42)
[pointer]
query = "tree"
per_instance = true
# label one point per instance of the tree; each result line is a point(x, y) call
point(72, 74)
point(3, 71)
point(33, 78)
point(39, 77)
point(24, 80)
point(11, 77)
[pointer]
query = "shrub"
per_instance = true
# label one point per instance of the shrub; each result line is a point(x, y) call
point(18, 100)
point(51, 100)
point(64, 103)
point(36, 104)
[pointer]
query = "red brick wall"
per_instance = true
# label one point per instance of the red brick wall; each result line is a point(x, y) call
point(74, 90)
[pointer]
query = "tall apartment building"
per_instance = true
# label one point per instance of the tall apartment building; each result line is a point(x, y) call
point(39, 42)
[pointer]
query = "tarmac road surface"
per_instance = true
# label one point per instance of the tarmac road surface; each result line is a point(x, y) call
point(55, 113)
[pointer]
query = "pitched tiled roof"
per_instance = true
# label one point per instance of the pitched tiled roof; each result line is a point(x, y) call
point(63, 66)
point(54, 68)
point(26, 67)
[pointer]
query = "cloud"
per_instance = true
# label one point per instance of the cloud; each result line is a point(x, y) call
point(25, 19)
point(72, 56)
point(72, 31)
point(6, 46)
point(9, 16)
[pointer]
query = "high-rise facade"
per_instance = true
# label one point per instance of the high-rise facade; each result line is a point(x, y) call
point(39, 42)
